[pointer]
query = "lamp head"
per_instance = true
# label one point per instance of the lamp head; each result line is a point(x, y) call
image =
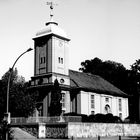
point(30, 49)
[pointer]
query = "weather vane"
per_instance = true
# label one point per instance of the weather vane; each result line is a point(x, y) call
point(51, 4)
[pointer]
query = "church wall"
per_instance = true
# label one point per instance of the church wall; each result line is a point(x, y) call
point(67, 101)
point(97, 103)
point(78, 103)
point(53, 54)
point(59, 52)
point(60, 77)
point(43, 57)
point(49, 56)
point(45, 106)
point(60, 56)
point(42, 66)
point(66, 58)
point(36, 60)
point(114, 106)
point(101, 102)
point(105, 102)
point(84, 103)
point(125, 111)
point(47, 100)
point(73, 103)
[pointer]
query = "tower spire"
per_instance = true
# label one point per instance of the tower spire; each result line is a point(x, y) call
point(51, 4)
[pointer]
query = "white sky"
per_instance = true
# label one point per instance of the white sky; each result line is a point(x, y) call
point(108, 29)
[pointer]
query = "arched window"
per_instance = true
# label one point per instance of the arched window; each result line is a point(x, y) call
point(107, 109)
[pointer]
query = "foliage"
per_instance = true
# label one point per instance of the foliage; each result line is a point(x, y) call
point(83, 116)
point(15, 78)
point(72, 114)
point(136, 66)
point(135, 89)
point(21, 101)
point(104, 118)
point(112, 71)
point(56, 97)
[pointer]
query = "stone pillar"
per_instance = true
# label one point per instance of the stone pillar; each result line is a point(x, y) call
point(42, 130)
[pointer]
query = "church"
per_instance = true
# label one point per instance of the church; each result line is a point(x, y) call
point(82, 93)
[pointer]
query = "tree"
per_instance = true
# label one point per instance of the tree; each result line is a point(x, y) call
point(112, 71)
point(136, 66)
point(21, 101)
point(56, 97)
point(135, 89)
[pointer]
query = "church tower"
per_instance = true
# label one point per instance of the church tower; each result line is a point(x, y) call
point(50, 62)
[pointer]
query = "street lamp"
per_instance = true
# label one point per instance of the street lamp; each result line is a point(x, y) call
point(7, 115)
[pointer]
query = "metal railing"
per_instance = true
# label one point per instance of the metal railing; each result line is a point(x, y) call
point(22, 120)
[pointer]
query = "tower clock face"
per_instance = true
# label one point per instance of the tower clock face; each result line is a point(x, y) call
point(61, 43)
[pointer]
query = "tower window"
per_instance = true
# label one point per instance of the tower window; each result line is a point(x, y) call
point(107, 108)
point(60, 60)
point(42, 60)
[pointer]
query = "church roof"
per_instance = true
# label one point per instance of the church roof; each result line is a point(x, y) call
point(52, 28)
point(94, 83)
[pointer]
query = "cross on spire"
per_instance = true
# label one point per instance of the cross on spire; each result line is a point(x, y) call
point(51, 4)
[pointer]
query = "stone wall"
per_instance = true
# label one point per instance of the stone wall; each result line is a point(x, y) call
point(89, 130)
point(53, 130)
point(56, 131)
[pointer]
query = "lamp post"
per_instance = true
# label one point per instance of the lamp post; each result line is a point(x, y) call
point(7, 115)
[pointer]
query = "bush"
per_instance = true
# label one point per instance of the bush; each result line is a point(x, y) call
point(71, 114)
point(101, 118)
point(83, 116)
point(130, 119)
point(91, 118)
point(117, 119)
point(109, 118)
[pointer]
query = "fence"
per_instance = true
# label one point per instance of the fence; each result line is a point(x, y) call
point(22, 120)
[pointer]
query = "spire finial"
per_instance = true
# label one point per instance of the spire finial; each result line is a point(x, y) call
point(51, 4)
